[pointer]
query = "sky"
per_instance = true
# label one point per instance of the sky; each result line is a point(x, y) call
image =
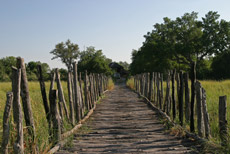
point(31, 28)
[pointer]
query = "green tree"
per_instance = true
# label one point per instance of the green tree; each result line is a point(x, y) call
point(68, 52)
point(94, 61)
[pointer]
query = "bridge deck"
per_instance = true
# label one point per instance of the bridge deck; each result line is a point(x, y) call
point(123, 123)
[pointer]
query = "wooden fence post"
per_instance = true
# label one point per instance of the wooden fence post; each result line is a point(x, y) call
point(6, 125)
point(146, 85)
point(193, 93)
point(43, 92)
point(223, 119)
point(155, 88)
point(187, 102)
point(17, 110)
point(55, 117)
point(26, 99)
point(162, 90)
point(86, 92)
point(167, 97)
point(78, 110)
point(61, 94)
point(200, 124)
point(158, 91)
point(151, 87)
point(181, 99)
point(81, 96)
point(173, 94)
point(70, 94)
point(205, 113)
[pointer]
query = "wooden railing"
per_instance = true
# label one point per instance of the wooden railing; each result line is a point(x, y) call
point(82, 101)
point(151, 87)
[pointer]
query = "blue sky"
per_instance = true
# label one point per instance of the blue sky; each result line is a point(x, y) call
point(31, 29)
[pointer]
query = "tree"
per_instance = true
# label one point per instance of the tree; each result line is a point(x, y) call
point(94, 61)
point(67, 52)
point(31, 69)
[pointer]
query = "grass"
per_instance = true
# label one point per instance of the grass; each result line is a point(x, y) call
point(214, 89)
point(41, 125)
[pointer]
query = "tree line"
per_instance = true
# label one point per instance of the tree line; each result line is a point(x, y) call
point(90, 59)
point(184, 43)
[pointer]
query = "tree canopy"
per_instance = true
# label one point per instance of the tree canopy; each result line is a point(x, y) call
point(94, 61)
point(181, 42)
point(68, 52)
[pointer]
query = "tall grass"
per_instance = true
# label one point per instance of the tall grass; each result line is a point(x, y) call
point(214, 89)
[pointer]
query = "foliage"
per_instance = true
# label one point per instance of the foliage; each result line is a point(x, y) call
point(94, 61)
point(31, 69)
point(124, 64)
point(67, 52)
point(181, 42)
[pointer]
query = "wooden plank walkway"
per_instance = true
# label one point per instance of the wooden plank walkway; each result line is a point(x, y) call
point(123, 123)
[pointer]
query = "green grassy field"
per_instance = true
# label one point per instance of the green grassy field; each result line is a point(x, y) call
point(41, 125)
point(214, 89)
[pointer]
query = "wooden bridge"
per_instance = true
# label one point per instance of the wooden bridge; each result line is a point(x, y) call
point(124, 123)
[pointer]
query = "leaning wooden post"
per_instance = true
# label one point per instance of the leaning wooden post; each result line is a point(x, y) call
point(55, 117)
point(187, 102)
point(205, 113)
point(6, 125)
point(173, 94)
point(223, 119)
point(26, 98)
point(193, 93)
point(17, 110)
point(200, 124)
point(78, 110)
point(158, 91)
point(70, 94)
point(181, 100)
point(86, 91)
point(81, 96)
point(61, 94)
point(43, 91)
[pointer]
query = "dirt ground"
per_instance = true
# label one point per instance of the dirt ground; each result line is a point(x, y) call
point(123, 123)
